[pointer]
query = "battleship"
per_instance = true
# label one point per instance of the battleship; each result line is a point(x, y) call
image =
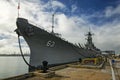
point(50, 47)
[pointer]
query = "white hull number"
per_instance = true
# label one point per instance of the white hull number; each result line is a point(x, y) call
point(50, 43)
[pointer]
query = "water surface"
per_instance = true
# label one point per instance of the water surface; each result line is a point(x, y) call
point(12, 66)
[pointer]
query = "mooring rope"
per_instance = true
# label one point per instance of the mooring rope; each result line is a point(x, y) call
point(23, 55)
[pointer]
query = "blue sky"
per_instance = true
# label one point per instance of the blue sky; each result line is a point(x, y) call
point(88, 8)
point(72, 19)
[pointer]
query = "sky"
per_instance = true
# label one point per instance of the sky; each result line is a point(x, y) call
point(73, 18)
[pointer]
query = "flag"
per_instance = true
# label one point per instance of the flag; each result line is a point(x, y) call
point(18, 5)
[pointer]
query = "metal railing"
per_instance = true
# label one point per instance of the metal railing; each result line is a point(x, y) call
point(112, 70)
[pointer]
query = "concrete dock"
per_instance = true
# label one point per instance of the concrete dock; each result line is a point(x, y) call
point(74, 71)
point(66, 72)
point(78, 74)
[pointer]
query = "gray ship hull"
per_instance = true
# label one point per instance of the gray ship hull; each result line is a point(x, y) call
point(45, 46)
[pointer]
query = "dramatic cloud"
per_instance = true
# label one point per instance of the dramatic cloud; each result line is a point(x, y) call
point(72, 28)
point(111, 11)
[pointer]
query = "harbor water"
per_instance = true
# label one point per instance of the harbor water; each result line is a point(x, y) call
point(12, 66)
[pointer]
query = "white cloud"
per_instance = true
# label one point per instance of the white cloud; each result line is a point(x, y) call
point(74, 8)
point(57, 4)
point(111, 11)
point(8, 14)
point(107, 36)
point(72, 28)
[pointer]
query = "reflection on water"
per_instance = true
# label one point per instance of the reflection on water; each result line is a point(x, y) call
point(12, 66)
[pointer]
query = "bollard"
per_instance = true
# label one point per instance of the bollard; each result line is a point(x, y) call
point(45, 66)
point(80, 60)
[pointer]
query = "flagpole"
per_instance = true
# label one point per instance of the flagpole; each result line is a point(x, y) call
point(18, 7)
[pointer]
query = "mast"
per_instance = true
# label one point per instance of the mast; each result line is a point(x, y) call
point(52, 24)
point(89, 44)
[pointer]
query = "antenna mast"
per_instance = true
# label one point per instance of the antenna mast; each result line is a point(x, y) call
point(52, 23)
point(52, 17)
point(89, 29)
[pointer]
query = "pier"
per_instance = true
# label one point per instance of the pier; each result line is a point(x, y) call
point(71, 72)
